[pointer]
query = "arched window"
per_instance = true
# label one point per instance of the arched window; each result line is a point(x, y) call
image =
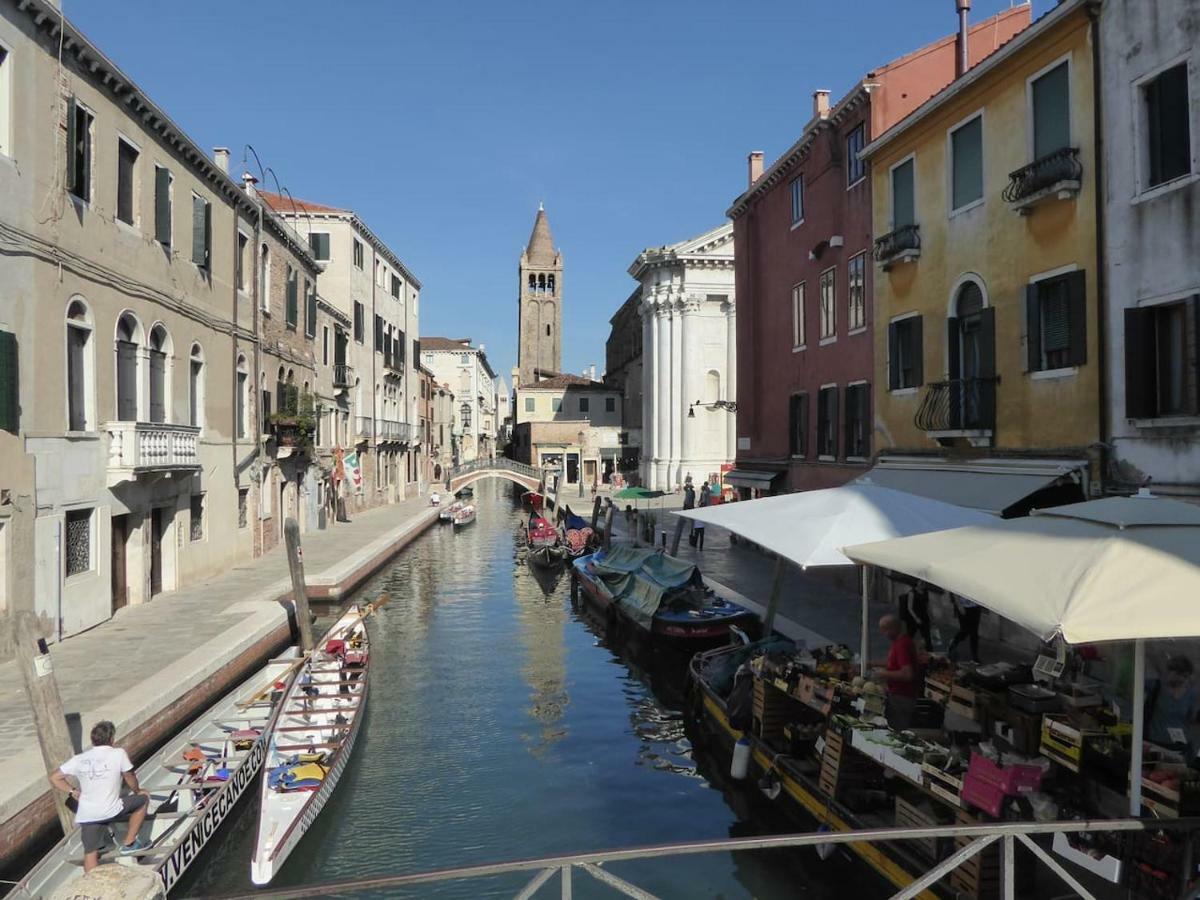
point(541, 283)
point(79, 367)
point(532, 282)
point(970, 300)
point(550, 283)
point(241, 421)
point(128, 340)
point(712, 386)
point(547, 331)
point(160, 351)
point(196, 387)
point(466, 415)
point(264, 277)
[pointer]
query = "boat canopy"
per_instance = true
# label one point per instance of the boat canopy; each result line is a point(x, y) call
point(637, 579)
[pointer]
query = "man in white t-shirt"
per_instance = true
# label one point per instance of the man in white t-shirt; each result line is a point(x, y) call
point(100, 772)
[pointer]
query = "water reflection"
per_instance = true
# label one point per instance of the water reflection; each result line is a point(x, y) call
point(541, 618)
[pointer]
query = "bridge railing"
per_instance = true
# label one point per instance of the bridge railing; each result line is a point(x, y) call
point(492, 464)
point(972, 840)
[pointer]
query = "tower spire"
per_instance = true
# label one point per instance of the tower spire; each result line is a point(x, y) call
point(540, 251)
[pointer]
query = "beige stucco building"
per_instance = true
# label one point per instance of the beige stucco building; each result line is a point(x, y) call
point(454, 362)
point(570, 423)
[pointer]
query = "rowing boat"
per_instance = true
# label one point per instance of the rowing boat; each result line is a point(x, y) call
point(464, 516)
point(313, 738)
point(447, 512)
point(541, 538)
point(194, 782)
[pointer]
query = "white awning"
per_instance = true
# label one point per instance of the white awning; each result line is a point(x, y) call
point(989, 485)
point(750, 478)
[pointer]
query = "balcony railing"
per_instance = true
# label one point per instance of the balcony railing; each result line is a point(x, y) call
point(362, 427)
point(898, 246)
point(1056, 175)
point(137, 448)
point(961, 404)
point(391, 430)
point(343, 375)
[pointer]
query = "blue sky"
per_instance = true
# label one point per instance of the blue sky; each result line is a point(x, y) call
point(444, 124)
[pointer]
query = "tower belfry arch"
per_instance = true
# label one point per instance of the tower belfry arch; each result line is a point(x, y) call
point(539, 304)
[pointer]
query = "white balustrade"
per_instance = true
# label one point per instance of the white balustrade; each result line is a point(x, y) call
point(143, 447)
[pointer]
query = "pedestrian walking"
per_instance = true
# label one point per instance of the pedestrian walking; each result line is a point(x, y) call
point(914, 613)
point(697, 526)
point(968, 613)
point(689, 496)
point(100, 771)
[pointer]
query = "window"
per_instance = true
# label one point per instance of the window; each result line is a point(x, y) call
point(79, 541)
point(828, 304)
point(380, 343)
point(243, 504)
point(556, 404)
point(465, 359)
point(798, 315)
point(856, 169)
point(530, 404)
point(395, 287)
point(201, 231)
point(324, 345)
point(243, 397)
point(127, 156)
point(318, 243)
point(1162, 360)
point(584, 404)
point(79, 363)
point(196, 387)
point(465, 411)
point(310, 309)
point(358, 322)
point(1168, 143)
point(196, 520)
point(241, 264)
point(79, 151)
point(827, 414)
point(610, 404)
point(163, 196)
point(160, 350)
point(798, 425)
point(856, 282)
point(858, 420)
point(966, 164)
point(291, 310)
point(10, 406)
point(1050, 95)
point(264, 279)
point(128, 337)
point(904, 207)
point(797, 189)
point(904, 354)
point(5, 101)
point(547, 331)
point(1056, 318)
point(358, 254)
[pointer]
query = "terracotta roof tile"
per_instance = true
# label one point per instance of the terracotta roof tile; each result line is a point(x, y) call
point(441, 343)
point(559, 382)
point(283, 204)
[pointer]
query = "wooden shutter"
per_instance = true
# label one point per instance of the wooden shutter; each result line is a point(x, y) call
point(794, 424)
point(803, 433)
point(1033, 329)
point(72, 145)
point(207, 234)
point(162, 206)
point(401, 348)
point(987, 342)
point(953, 347)
point(127, 409)
point(1077, 316)
point(1140, 364)
point(917, 339)
point(158, 386)
point(379, 333)
point(199, 223)
point(10, 403)
point(893, 355)
point(832, 397)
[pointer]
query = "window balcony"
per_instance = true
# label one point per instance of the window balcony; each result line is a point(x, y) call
point(959, 408)
point(362, 427)
point(1056, 176)
point(343, 375)
point(899, 246)
point(145, 448)
point(389, 430)
point(294, 432)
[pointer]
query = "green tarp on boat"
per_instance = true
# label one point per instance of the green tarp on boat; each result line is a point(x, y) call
point(637, 578)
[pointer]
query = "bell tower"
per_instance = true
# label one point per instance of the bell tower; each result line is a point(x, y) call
point(539, 304)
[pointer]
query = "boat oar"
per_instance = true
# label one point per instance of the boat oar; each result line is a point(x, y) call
point(266, 692)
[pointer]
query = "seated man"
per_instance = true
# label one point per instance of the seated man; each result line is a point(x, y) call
point(100, 771)
point(901, 672)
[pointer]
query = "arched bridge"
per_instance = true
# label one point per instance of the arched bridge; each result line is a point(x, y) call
point(528, 477)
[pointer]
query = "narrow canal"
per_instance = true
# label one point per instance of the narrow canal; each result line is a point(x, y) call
point(503, 725)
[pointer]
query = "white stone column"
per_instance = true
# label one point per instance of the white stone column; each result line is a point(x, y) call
point(663, 402)
point(731, 378)
point(649, 395)
point(690, 429)
point(677, 399)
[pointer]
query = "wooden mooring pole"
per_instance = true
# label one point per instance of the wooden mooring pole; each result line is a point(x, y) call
point(291, 535)
point(49, 720)
point(595, 511)
point(608, 526)
point(680, 521)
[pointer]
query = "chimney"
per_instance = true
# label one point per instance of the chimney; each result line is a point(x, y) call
point(248, 184)
point(756, 160)
point(221, 157)
point(962, 60)
point(820, 104)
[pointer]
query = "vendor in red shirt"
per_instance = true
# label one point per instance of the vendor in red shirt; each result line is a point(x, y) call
point(901, 672)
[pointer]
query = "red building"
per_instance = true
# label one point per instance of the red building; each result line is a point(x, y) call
point(802, 241)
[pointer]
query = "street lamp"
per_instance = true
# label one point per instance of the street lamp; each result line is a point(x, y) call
point(728, 405)
point(580, 471)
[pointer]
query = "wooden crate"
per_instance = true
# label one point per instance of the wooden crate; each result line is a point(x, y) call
point(942, 784)
point(912, 815)
point(771, 711)
point(841, 768)
point(965, 702)
point(938, 687)
point(979, 877)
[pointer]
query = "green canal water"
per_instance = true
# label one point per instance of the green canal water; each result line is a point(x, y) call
point(504, 724)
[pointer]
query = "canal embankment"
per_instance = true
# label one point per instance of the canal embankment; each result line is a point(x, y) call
point(155, 666)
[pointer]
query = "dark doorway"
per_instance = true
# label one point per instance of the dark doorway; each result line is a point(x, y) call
point(572, 468)
point(120, 585)
point(158, 525)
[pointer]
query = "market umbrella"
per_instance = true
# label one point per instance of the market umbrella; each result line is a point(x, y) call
point(809, 528)
point(1122, 568)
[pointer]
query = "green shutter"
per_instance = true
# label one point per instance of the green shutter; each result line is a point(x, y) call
point(1033, 327)
point(162, 206)
point(918, 350)
point(207, 235)
point(967, 160)
point(1077, 316)
point(903, 201)
point(199, 221)
point(10, 405)
point(1051, 111)
point(71, 145)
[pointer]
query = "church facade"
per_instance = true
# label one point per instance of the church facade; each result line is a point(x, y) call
point(539, 299)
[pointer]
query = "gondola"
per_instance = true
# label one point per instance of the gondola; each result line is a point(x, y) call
point(446, 513)
point(545, 550)
point(577, 535)
point(464, 516)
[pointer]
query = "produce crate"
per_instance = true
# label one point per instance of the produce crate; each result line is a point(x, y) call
point(1171, 802)
point(1062, 741)
point(986, 784)
point(965, 702)
point(942, 784)
point(1020, 731)
point(938, 686)
point(921, 815)
point(841, 768)
point(770, 710)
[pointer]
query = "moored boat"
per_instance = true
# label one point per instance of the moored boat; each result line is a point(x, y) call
point(577, 535)
point(656, 593)
point(464, 516)
point(533, 501)
point(446, 513)
point(194, 781)
point(545, 551)
point(318, 723)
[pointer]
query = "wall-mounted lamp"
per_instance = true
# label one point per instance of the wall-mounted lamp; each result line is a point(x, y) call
point(728, 405)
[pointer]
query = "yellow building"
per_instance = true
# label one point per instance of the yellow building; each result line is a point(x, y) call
point(987, 347)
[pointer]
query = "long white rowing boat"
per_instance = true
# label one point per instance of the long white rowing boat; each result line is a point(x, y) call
point(194, 782)
point(312, 741)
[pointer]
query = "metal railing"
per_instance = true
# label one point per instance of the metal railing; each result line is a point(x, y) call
point(493, 463)
point(961, 404)
point(363, 426)
point(391, 430)
point(343, 375)
point(905, 240)
point(973, 839)
point(1053, 168)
